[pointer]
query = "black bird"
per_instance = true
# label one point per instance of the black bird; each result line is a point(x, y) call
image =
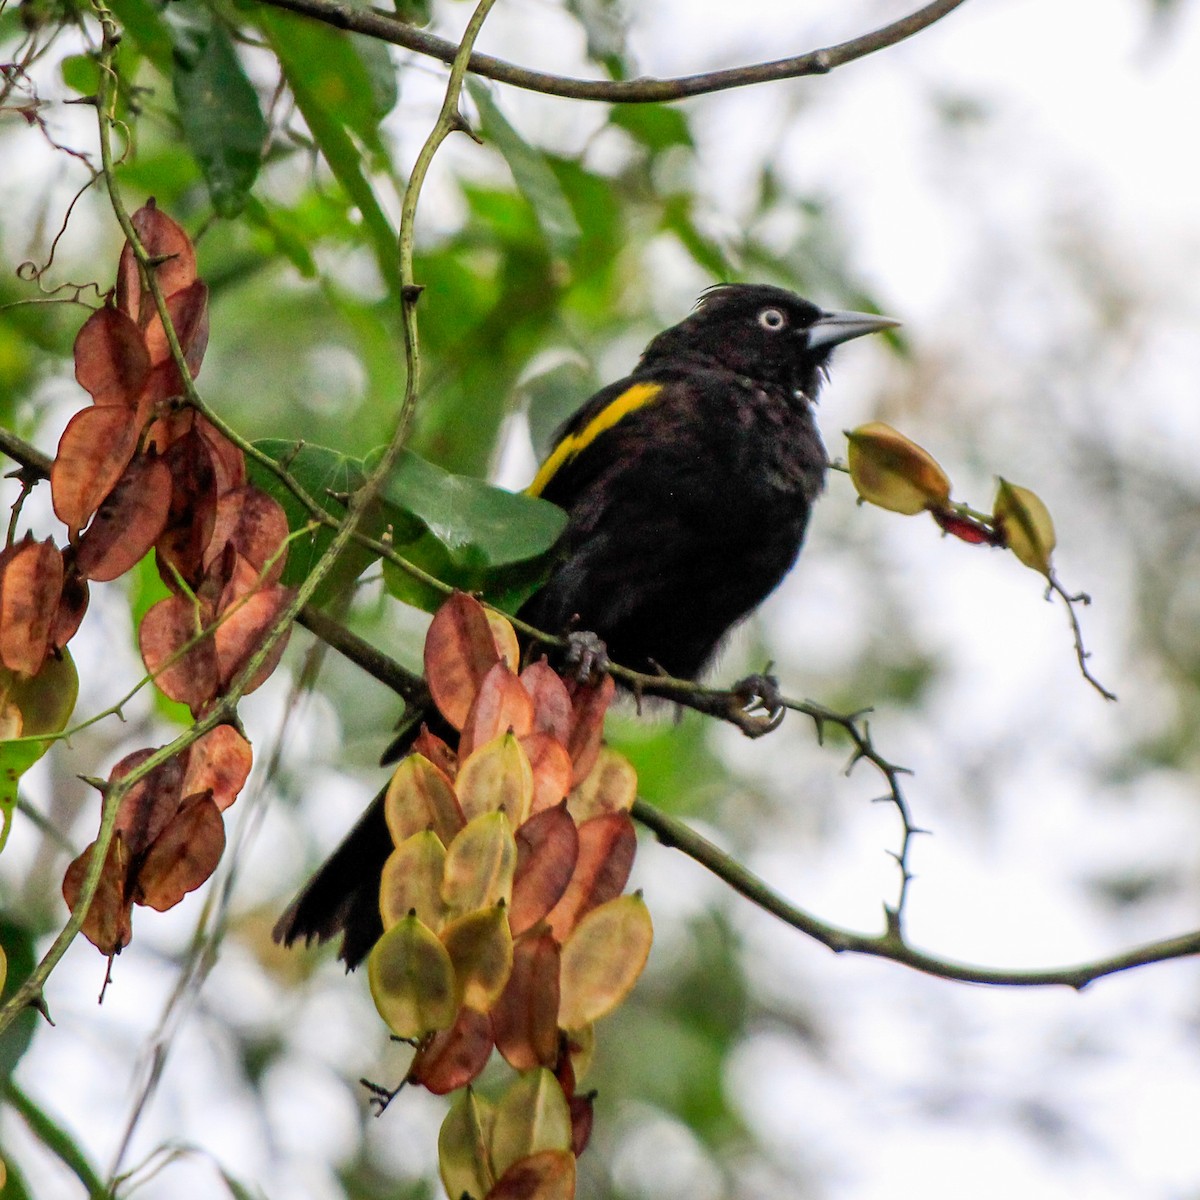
point(688, 486)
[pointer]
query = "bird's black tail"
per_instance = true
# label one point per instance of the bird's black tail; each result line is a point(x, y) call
point(343, 896)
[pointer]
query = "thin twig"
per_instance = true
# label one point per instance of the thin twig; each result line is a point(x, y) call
point(1082, 654)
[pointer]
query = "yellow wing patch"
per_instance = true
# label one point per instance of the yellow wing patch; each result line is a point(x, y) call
point(630, 400)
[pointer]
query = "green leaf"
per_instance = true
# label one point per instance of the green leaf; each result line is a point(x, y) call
point(473, 536)
point(277, 224)
point(383, 88)
point(56, 1139)
point(328, 127)
point(328, 476)
point(19, 945)
point(81, 73)
point(352, 79)
point(12, 1182)
point(222, 122)
point(414, 12)
point(656, 126)
point(412, 980)
point(530, 172)
point(142, 20)
point(45, 703)
point(706, 253)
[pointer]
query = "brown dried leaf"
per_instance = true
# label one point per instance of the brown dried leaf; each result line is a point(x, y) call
point(183, 856)
point(31, 582)
point(432, 747)
point(547, 1175)
point(111, 360)
point(167, 429)
point(582, 1109)
point(93, 452)
point(607, 846)
point(525, 1018)
point(151, 804)
point(128, 522)
point(194, 677)
point(502, 705)
point(242, 632)
point(188, 311)
point(170, 251)
point(228, 461)
point(505, 637)
point(72, 605)
point(589, 702)
point(547, 849)
point(255, 525)
point(453, 1057)
point(552, 710)
point(218, 763)
point(552, 770)
point(108, 924)
point(460, 649)
point(189, 526)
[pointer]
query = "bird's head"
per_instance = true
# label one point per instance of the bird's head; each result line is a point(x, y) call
point(764, 333)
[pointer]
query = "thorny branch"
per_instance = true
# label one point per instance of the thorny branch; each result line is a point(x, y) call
point(891, 944)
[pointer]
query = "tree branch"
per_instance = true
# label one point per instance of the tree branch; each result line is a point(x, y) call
point(372, 22)
point(891, 944)
point(408, 685)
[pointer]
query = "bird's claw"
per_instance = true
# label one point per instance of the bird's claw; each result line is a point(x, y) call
point(762, 706)
point(587, 656)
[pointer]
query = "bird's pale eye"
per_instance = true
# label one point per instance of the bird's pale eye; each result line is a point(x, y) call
point(772, 319)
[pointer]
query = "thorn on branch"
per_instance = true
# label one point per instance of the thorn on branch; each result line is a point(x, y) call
point(39, 1006)
point(460, 124)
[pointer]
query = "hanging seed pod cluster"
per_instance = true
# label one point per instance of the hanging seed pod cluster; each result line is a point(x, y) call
point(505, 924)
point(140, 469)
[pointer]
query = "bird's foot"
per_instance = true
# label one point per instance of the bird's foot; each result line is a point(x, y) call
point(587, 656)
point(762, 706)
